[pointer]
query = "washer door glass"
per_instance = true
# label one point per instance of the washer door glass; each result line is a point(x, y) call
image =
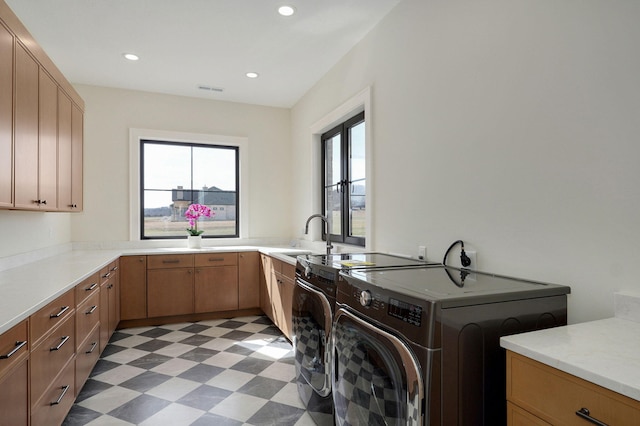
point(376, 378)
point(311, 318)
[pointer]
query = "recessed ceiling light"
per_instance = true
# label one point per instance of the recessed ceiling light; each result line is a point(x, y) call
point(286, 10)
point(131, 56)
point(252, 74)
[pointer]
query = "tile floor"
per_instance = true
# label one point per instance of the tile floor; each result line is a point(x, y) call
point(220, 372)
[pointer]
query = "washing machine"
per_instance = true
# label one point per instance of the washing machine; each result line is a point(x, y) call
point(420, 346)
point(314, 301)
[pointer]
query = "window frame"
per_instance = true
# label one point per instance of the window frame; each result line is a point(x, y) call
point(136, 134)
point(191, 145)
point(345, 226)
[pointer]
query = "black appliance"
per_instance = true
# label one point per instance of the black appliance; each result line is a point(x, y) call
point(314, 300)
point(420, 346)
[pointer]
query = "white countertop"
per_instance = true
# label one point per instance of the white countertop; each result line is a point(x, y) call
point(605, 352)
point(25, 289)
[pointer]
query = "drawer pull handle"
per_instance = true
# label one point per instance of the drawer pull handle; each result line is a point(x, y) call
point(216, 259)
point(115, 268)
point(93, 346)
point(64, 392)
point(92, 310)
point(585, 414)
point(171, 261)
point(62, 342)
point(91, 287)
point(107, 275)
point(19, 346)
point(59, 314)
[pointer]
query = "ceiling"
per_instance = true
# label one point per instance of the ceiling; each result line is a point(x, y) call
point(183, 44)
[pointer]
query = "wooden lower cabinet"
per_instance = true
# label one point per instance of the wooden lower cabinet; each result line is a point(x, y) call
point(216, 289)
point(541, 395)
point(109, 303)
point(57, 400)
point(277, 284)
point(133, 287)
point(169, 292)
point(87, 356)
point(14, 376)
point(248, 280)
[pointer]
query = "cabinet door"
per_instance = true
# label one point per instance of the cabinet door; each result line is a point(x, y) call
point(266, 272)
point(64, 152)
point(77, 138)
point(169, 292)
point(133, 287)
point(48, 142)
point(6, 118)
point(248, 280)
point(14, 396)
point(25, 130)
point(216, 289)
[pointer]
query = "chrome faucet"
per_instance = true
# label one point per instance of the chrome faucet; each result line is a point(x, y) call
point(325, 220)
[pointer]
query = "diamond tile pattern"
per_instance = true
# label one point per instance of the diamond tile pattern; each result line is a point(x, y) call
point(220, 372)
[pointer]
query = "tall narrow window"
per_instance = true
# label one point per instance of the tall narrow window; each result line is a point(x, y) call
point(344, 181)
point(174, 175)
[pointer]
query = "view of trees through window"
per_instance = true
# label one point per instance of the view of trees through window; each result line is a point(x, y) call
point(175, 175)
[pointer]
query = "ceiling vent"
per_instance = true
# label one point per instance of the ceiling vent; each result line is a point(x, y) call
point(210, 88)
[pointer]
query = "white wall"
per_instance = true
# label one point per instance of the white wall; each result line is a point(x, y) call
point(109, 115)
point(23, 232)
point(512, 125)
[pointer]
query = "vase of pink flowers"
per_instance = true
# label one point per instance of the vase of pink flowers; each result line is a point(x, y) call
point(193, 213)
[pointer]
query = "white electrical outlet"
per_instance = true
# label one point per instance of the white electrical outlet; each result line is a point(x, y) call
point(422, 252)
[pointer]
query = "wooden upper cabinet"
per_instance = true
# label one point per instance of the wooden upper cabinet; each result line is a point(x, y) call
point(77, 141)
point(6, 118)
point(48, 142)
point(64, 152)
point(25, 130)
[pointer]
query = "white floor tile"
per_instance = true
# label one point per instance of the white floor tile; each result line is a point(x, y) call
point(126, 356)
point(174, 367)
point(131, 341)
point(109, 399)
point(219, 344)
point(289, 395)
point(108, 421)
point(173, 389)
point(174, 415)
point(175, 336)
point(174, 349)
point(279, 371)
point(119, 374)
point(224, 359)
point(230, 380)
point(238, 406)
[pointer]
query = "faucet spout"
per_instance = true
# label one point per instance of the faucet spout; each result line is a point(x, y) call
point(326, 221)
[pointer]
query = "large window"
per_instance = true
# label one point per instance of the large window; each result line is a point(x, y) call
point(344, 181)
point(174, 175)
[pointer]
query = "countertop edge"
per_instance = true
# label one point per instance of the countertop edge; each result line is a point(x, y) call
point(579, 350)
point(50, 277)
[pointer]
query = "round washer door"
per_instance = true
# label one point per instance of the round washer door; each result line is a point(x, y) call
point(376, 378)
point(311, 318)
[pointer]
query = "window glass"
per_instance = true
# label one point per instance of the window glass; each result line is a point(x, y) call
point(175, 175)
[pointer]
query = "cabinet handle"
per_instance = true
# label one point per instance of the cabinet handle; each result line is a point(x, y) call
point(107, 275)
point(40, 202)
point(91, 287)
point(73, 206)
point(19, 346)
point(141, 259)
point(59, 314)
point(110, 286)
point(171, 261)
point(216, 259)
point(57, 348)
point(64, 392)
point(93, 346)
point(115, 268)
point(585, 414)
point(92, 310)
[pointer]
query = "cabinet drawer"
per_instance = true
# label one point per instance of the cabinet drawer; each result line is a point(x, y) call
point(57, 400)
point(87, 287)
point(108, 271)
point(556, 396)
point(48, 358)
point(87, 356)
point(51, 315)
point(170, 261)
point(87, 317)
point(13, 346)
point(289, 271)
point(216, 259)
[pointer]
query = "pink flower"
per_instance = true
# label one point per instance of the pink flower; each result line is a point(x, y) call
point(193, 213)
